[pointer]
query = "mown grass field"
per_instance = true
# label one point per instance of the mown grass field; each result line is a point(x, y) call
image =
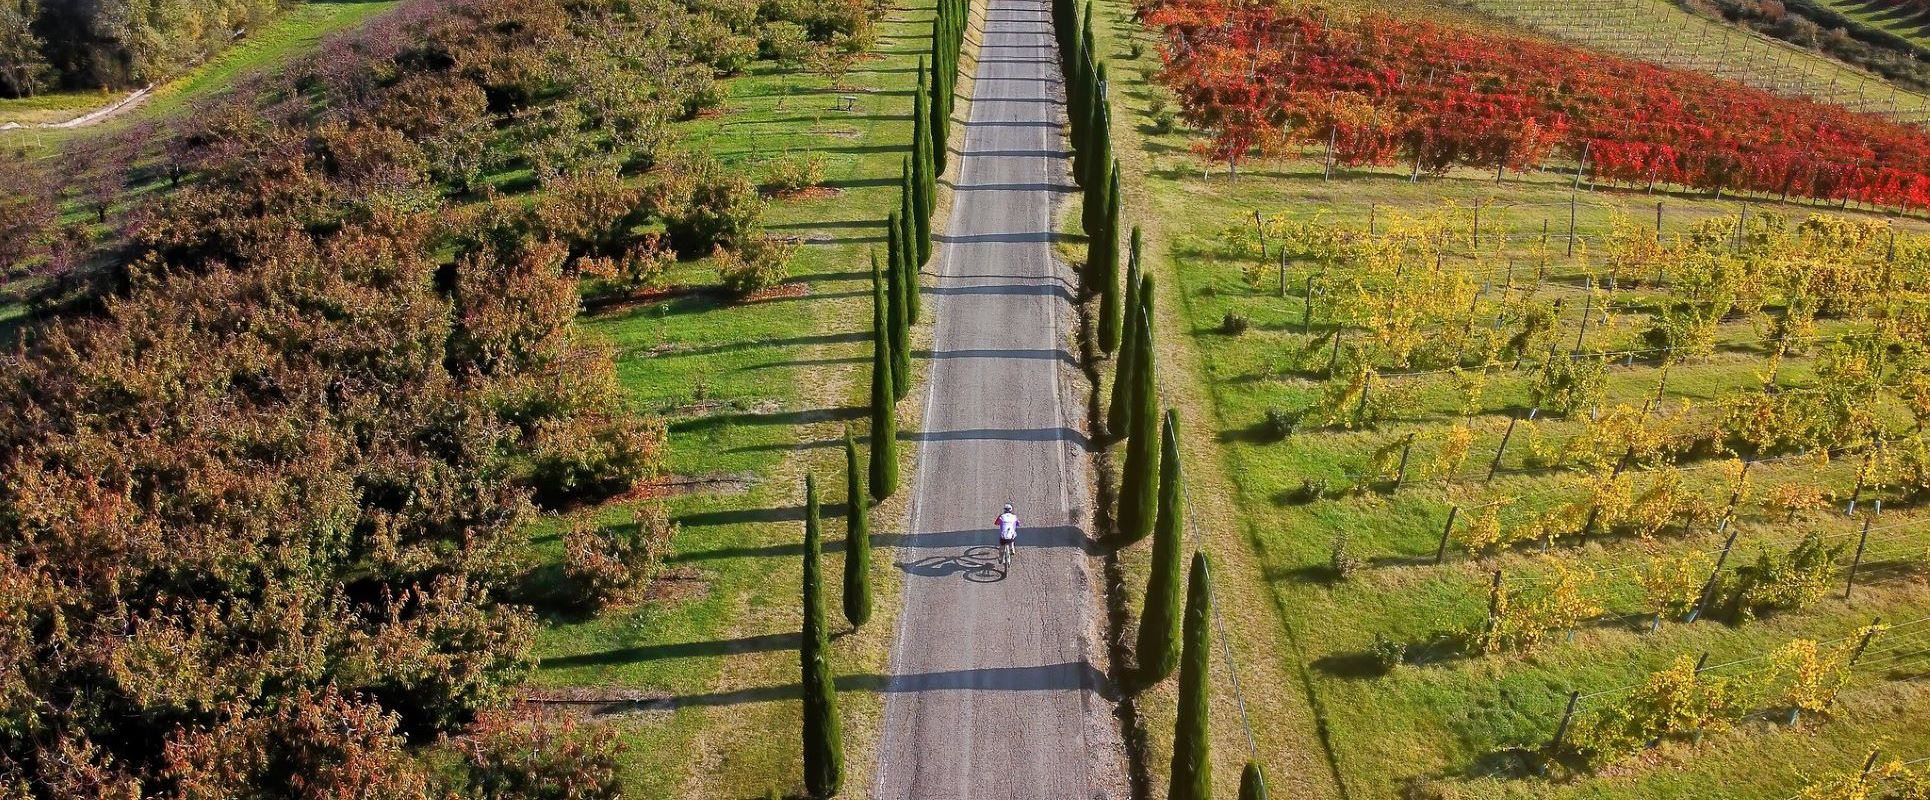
point(299, 30)
point(1885, 16)
point(1665, 33)
point(1446, 725)
point(756, 394)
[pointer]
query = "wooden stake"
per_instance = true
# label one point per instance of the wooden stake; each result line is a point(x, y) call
point(1440, 552)
point(1862, 541)
point(1400, 475)
point(1496, 463)
point(1572, 202)
point(1561, 731)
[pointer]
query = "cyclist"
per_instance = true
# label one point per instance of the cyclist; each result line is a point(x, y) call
point(1008, 528)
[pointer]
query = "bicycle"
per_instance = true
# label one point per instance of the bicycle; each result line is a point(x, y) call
point(1007, 549)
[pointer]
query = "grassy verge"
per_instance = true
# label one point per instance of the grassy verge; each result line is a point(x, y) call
point(1445, 727)
point(758, 394)
point(1269, 698)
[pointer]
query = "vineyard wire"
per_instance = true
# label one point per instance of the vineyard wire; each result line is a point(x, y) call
point(1226, 649)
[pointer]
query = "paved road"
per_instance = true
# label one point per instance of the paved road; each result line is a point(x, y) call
point(992, 693)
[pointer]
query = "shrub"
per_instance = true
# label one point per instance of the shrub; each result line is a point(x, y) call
point(516, 760)
point(793, 173)
point(785, 42)
point(584, 460)
point(1341, 559)
point(756, 265)
point(1280, 423)
point(1388, 654)
point(1310, 489)
point(613, 564)
point(1234, 324)
point(705, 206)
point(639, 268)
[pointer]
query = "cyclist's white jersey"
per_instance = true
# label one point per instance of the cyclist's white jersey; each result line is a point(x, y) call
point(1008, 523)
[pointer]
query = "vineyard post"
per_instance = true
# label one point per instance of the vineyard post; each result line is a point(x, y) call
point(1511, 275)
point(1477, 226)
point(1572, 202)
point(1260, 231)
point(1283, 272)
point(1509, 434)
point(1741, 218)
point(1862, 473)
point(1588, 310)
point(1735, 497)
point(1441, 551)
point(1306, 310)
point(1373, 209)
point(1567, 714)
point(1327, 169)
point(1494, 603)
point(1658, 220)
point(1333, 360)
point(1862, 541)
point(1543, 266)
point(1581, 167)
point(1366, 388)
point(1868, 634)
point(1400, 475)
point(1709, 586)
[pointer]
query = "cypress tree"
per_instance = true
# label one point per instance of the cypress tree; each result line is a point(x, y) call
point(1138, 487)
point(884, 413)
point(944, 70)
point(909, 235)
point(1092, 214)
point(1158, 649)
point(921, 166)
point(1099, 139)
point(1086, 47)
point(896, 317)
point(1192, 769)
point(1253, 782)
point(857, 538)
point(934, 115)
point(1138, 299)
point(823, 735)
point(1110, 306)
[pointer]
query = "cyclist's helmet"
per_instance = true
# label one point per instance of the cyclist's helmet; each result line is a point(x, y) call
point(1008, 508)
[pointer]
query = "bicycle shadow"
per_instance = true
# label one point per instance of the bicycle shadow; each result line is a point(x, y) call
point(978, 564)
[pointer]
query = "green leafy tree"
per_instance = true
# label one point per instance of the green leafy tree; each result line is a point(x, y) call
point(1253, 782)
point(907, 217)
point(1139, 309)
point(1159, 625)
point(899, 311)
point(823, 734)
point(1109, 296)
point(884, 411)
point(924, 198)
point(1192, 768)
point(1138, 484)
point(857, 537)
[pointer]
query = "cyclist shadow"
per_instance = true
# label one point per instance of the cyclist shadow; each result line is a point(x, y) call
point(977, 564)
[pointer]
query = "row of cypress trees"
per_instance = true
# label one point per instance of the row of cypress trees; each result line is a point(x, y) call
point(895, 307)
point(823, 732)
point(1089, 112)
point(1152, 494)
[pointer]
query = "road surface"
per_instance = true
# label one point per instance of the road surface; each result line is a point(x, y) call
point(993, 692)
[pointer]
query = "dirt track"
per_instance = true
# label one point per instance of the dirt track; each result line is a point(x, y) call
point(993, 689)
